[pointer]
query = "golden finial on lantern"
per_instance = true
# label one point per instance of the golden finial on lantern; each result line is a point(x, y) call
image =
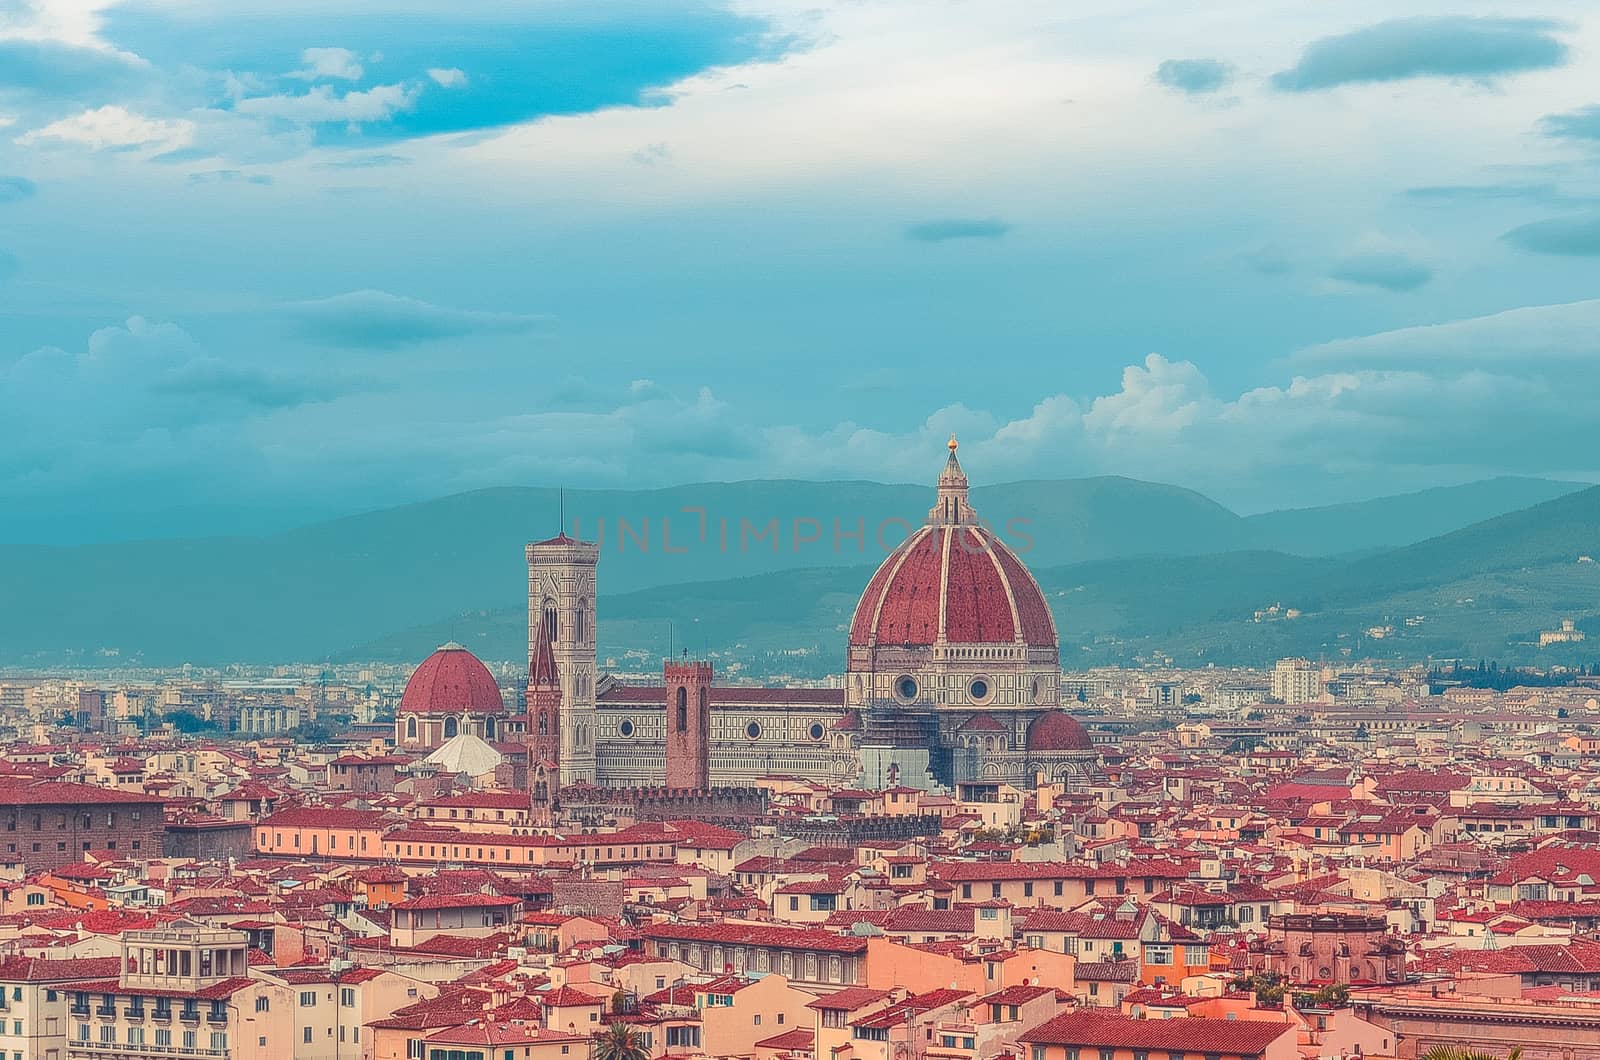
point(952, 441)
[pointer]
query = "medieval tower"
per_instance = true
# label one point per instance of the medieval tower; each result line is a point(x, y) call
point(688, 725)
point(561, 597)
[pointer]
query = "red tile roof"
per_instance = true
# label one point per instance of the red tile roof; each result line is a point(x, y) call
point(757, 935)
point(1181, 1034)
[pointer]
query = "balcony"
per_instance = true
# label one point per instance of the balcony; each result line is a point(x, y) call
point(107, 1011)
point(134, 1014)
point(190, 1015)
point(106, 1049)
point(161, 1015)
point(215, 1016)
point(79, 1010)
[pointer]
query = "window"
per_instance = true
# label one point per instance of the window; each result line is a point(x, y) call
point(135, 1035)
point(414, 1049)
point(966, 890)
point(1027, 889)
point(1039, 1053)
point(306, 1035)
point(1058, 888)
point(219, 1041)
point(264, 1004)
point(347, 997)
point(163, 1038)
point(108, 1034)
point(994, 890)
point(83, 1032)
point(308, 998)
point(988, 913)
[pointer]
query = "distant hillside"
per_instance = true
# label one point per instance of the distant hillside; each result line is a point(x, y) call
point(321, 589)
point(1403, 519)
point(1484, 591)
point(1121, 560)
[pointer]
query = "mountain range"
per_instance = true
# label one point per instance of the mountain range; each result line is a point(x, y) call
point(765, 573)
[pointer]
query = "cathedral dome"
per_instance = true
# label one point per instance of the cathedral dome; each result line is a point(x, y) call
point(952, 582)
point(451, 681)
point(1058, 731)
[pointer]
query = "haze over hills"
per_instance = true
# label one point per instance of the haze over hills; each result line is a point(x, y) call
point(1122, 560)
point(1386, 522)
point(1484, 590)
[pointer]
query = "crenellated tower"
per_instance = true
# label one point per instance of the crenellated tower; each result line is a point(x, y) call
point(688, 725)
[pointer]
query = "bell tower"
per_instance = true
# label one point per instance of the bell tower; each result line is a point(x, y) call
point(561, 580)
point(688, 725)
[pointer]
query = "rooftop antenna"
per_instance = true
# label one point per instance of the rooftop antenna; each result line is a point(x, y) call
point(561, 510)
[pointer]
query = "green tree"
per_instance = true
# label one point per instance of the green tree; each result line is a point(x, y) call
point(187, 721)
point(1461, 1052)
point(619, 1042)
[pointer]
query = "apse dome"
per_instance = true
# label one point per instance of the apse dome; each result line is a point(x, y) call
point(1058, 731)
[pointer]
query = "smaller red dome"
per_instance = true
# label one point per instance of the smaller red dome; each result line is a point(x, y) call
point(451, 681)
point(1058, 731)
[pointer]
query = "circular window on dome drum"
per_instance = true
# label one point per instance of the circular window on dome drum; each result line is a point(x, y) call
point(979, 689)
point(753, 731)
point(906, 688)
point(626, 728)
point(817, 731)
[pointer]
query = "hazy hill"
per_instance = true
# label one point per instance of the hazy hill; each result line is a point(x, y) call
point(1386, 522)
point(1119, 558)
point(319, 589)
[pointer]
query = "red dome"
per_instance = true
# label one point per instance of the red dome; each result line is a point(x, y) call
point(1058, 731)
point(952, 584)
point(451, 681)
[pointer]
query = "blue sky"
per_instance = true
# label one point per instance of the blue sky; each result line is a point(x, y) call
point(312, 257)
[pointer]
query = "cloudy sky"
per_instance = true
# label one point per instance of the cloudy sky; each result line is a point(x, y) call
point(297, 257)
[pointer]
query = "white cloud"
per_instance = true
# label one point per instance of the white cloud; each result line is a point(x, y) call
point(1530, 334)
point(320, 104)
point(113, 126)
point(1160, 397)
point(340, 63)
point(448, 77)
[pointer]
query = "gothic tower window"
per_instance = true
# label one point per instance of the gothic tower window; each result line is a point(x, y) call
point(683, 709)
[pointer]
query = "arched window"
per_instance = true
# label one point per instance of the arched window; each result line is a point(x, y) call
point(683, 709)
point(411, 728)
point(450, 728)
point(544, 723)
point(705, 708)
point(550, 617)
point(488, 728)
point(580, 625)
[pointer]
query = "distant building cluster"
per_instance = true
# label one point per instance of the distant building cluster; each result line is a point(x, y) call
point(956, 852)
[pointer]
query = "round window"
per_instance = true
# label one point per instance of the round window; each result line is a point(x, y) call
point(906, 687)
point(979, 688)
point(817, 730)
point(626, 728)
point(753, 731)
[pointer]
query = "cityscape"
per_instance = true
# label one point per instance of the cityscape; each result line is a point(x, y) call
point(826, 530)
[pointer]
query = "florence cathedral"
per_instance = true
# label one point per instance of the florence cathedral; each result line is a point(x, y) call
point(952, 676)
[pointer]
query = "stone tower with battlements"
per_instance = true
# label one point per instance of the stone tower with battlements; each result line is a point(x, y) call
point(688, 725)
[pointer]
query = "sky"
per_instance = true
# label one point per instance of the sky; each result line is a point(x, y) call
point(287, 259)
